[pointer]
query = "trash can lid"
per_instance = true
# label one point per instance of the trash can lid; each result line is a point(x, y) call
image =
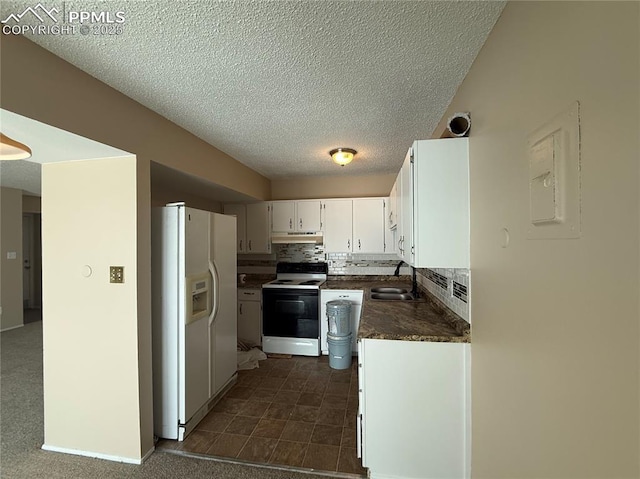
point(339, 303)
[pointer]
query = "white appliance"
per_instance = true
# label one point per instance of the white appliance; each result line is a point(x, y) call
point(194, 314)
point(290, 309)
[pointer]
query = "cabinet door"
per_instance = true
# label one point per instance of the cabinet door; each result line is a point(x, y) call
point(406, 237)
point(392, 213)
point(389, 233)
point(240, 212)
point(433, 410)
point(249, 324)
point(337, 226)
point(308, 215)
point(283, 216)
point(258, 228)
point(397, 232)
point(361, 404)
point(441, 202)
point(368, 225)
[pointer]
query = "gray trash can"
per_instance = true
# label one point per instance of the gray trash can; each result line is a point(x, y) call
point(339, 317)
point(339, 333)
point(339, 351)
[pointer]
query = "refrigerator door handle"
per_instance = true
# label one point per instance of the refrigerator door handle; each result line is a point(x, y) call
point(215, 289)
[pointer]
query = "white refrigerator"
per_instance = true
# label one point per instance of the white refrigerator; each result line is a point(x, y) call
point(194, 311)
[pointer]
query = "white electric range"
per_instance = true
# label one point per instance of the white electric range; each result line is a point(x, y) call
point(291, 309)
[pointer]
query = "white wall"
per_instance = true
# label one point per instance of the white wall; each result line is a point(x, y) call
point(10, 269)
point(96, 335)
point(555, 334)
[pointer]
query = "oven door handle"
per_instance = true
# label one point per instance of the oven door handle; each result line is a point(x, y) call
point(215, 290)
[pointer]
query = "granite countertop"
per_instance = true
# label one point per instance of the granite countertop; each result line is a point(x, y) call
point(425, 319)
point(255, 281)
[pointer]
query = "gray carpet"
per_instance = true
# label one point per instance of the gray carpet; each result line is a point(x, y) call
point(21, 431)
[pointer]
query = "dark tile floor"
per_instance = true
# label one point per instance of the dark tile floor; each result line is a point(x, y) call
point(289, 412)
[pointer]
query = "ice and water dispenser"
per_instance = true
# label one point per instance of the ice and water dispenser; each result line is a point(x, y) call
point(198, 297)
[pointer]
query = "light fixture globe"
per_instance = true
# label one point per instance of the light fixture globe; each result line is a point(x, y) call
point(11, 149)
point(342, 156)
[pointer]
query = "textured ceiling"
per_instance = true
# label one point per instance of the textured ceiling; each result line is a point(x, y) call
point(278, 84)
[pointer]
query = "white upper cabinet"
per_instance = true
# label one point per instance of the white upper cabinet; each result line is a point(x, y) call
point(354, 225)
point(299, 216)
point(441, 195)
point(392, 209)
point(240, 212)
point(433, 202)
point(389, 233)
point(405, 220)
point(283, 215)
point(368, 225)
point(337, 226)
point(258, 228)
point(308, 215)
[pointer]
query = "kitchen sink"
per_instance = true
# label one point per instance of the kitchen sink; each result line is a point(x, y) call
point(387, 289)
point(392, 296)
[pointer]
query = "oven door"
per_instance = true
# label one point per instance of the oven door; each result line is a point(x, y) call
point(290, 313)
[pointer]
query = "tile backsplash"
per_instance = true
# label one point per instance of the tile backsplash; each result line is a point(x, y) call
point(449, 285)
point(339, 263)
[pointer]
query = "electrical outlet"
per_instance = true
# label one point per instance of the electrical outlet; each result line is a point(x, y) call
point(116, 274)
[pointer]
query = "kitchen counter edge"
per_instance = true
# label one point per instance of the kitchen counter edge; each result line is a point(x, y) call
point(426, 320)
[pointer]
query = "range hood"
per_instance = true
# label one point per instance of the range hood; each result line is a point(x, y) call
point(297, 238)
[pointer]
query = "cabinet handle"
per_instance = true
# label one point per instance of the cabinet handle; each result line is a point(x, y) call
point(240, 308)
point(300, 222)
point(240, 245)
point(348, 244)
point(290, 223)
point(249, 245)
point(359, 245)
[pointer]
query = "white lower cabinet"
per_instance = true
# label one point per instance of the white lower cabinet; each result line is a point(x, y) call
point(414, 419)
point(250, 315)
point(355, 298)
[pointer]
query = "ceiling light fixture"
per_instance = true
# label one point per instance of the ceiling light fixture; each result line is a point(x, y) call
point(342, 156)
point(11, 149)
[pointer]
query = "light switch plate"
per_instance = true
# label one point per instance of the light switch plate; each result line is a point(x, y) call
point(554, 177)
point(116, 274)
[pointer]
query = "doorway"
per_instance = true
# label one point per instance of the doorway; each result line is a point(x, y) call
point(32, 267)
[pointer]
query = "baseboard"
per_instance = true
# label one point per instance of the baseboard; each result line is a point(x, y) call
point(148, 454)
point(97, 455)
point(12, 327)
